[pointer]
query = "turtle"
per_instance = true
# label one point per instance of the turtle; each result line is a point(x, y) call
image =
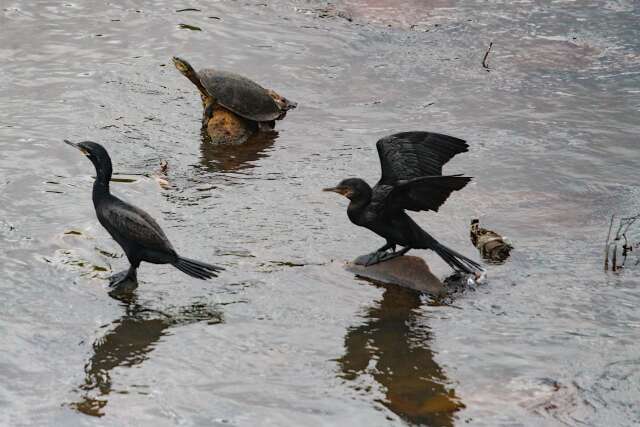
point(238, 94)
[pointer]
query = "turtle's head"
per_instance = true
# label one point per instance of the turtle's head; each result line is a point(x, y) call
point(98, 156)
point(354, 189)
point(283, 103)
point(183, 66)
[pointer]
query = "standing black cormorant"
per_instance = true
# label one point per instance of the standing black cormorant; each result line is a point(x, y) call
point(411, 179)
point(139, 235)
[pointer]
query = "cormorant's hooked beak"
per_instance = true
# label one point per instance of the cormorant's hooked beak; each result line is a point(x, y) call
point(85, 152)
point(340, 190)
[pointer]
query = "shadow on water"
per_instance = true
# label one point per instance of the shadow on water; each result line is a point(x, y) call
point(235, 157)
point(129, 342)
point(395, 341)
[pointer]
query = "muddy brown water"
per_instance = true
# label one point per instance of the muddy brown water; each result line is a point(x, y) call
point(286, 336)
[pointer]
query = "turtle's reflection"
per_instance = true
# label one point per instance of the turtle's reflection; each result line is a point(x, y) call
point(392, 347)
point(128, 343)
point(234, 157)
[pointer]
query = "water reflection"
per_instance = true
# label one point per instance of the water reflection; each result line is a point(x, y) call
point(392, 347)
point(129, 342)
point(234, 157)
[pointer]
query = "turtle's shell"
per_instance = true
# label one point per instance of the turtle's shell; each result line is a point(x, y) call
point(240, 95)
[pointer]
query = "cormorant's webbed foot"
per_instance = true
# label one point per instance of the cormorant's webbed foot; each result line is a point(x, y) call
point(380, 256)
point(386, 247)
point(123, 281)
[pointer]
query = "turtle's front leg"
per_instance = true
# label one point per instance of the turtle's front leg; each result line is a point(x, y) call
point(207, 112)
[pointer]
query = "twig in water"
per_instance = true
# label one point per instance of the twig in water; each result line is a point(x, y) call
point(624, 225)
point(606, 245)
point(486, 55)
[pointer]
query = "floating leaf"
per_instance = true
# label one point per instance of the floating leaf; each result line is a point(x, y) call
point(189, 27)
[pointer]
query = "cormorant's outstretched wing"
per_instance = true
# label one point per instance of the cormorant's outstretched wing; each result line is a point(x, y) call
point(412, 171)
point(135, 225)
point(408, 155)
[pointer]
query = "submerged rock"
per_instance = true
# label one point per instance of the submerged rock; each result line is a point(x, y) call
point(406, 271)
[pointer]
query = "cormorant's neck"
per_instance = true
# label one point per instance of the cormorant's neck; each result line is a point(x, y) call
point(360, 201)
point(358, 204)
point(103, 176)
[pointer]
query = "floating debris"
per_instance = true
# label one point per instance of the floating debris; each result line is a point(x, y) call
point(161, 176)
point(76, 260)
point(486, 56)
point(189, 9)
point(329, 11)
point(108, 254)
point(289, 264)
point(491, 245)
point(621, 235)
point(122, 179)
point(273, 266)
point(189, 27)
point(164, 167)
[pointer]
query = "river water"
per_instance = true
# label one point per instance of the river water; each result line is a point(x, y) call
point(287, 337)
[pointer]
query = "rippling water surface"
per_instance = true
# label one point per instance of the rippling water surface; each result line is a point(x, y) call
point(285, 336)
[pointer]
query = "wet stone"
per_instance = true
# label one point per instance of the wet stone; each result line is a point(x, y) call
point(406, 271)
point(225, 127)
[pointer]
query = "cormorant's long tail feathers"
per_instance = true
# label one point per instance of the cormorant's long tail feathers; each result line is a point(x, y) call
point(197, 269)
point(456, 260)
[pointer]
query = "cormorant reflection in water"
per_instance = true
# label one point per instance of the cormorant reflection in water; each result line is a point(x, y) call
point(129, 343)
point(235, 157)
point(398, 344)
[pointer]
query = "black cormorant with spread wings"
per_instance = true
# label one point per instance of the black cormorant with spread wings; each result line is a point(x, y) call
point(139, 235)
point(411, 179)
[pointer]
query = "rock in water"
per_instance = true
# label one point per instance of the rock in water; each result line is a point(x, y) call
point(406, 271)
point(225, 127)
point(491, 245)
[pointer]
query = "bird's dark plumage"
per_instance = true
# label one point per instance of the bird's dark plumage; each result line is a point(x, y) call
point(411, 180)
point(136, 231)
point(411, 165)
point(408, 155)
